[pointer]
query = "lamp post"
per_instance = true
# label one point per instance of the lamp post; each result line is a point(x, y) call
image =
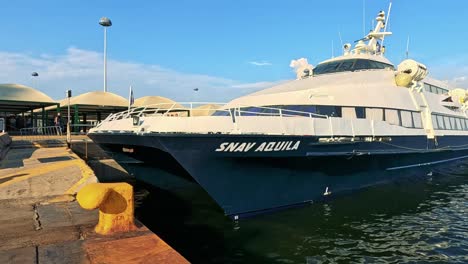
point(194, 99)
point(195, 91)
point(105, 22)
point(34, 75)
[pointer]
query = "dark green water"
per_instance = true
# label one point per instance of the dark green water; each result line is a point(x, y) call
point(423, 221)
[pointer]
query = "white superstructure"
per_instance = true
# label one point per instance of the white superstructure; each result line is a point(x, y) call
point(358, 94)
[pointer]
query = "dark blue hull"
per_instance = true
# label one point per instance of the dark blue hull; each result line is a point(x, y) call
point(252, 174)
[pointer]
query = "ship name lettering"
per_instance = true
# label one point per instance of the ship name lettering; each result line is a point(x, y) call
point(272, 146)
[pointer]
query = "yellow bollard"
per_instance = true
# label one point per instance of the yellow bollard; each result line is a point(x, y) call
point(115, 203)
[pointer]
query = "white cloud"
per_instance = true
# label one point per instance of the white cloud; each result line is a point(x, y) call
point(453, 70)
point(81, 71)
point(461, 81)
point(260, 63)
point(257, 85)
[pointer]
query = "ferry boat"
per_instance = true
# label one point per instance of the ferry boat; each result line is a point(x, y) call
point(351, 122)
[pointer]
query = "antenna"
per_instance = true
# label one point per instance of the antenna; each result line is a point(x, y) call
point(388, 16)
point(386, 21)
point(333, 49)
point(341, 39)
point(364, 17)
point(407, 47)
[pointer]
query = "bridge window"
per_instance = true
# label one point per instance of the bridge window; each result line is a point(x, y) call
point(350, 65)
point(362, 65)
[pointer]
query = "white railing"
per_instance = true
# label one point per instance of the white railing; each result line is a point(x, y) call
point(175, 109)
point(247, 120)
point(165, 109)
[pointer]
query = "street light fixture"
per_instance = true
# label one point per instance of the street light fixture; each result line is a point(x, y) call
point(34, 75)
point(105, 22)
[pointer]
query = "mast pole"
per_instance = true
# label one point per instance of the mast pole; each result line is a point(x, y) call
point(386, 21)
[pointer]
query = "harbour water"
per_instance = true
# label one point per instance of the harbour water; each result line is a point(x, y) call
point(412, 221)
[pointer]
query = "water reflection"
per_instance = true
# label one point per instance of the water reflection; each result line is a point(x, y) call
point(404, 222)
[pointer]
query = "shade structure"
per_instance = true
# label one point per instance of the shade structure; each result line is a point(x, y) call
point(204, 110)
point(17, 98)
point(88, 108)
point(157, 102)
point(97, 100)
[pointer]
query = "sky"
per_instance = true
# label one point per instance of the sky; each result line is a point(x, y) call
point(225, 48)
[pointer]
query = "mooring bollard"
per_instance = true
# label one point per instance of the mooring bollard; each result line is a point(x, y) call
point(115, 203)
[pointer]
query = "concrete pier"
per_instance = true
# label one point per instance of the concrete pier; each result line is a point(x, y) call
point(5, 142)
point(40, 221)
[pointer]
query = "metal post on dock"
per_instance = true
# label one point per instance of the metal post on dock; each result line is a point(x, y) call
point(69, 94)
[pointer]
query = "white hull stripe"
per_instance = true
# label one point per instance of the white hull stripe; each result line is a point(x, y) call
point(426, 164)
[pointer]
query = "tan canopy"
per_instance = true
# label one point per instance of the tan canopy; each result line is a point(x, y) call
point(204, 110)
point(19, 98)
point(157, 101)
point(98, 98)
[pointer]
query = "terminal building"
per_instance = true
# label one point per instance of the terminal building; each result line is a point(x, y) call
point(88, 109)
point(17, 105)
point(25, 107)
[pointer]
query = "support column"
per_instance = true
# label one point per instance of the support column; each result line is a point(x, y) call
point(43, 117)
point(76, 118)
point(32, 118)
point(84, 122)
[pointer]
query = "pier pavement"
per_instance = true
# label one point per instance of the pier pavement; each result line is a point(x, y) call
point(40, 221)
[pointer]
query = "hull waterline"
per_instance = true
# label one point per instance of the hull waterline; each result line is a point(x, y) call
point(245, 181)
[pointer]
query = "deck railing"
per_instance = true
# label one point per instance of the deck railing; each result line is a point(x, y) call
point(175, 109)
point(168, 109)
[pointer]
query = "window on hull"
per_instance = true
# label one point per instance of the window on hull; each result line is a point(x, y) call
point(376, 114)
point(443, 122)
point(417, 120)
point(434, 89)
point(408, 119)
point(333, 111)
point(360, 112)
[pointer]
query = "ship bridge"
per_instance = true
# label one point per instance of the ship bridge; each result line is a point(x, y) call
point(351, 63)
